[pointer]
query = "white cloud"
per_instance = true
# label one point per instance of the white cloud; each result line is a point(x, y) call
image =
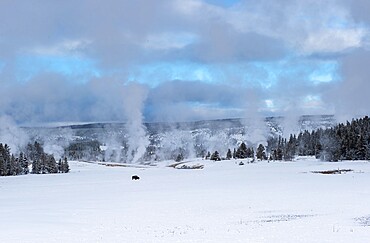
point(270, 106)
point(169, 40)
point(188, 6)
point(334, 40)
point(66, 47)
point(321, 78)
point(157, 37)
point(306, 26)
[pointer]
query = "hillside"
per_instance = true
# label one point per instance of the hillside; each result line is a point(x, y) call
point(192, 139)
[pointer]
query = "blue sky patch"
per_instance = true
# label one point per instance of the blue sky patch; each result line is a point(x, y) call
point(72, 67)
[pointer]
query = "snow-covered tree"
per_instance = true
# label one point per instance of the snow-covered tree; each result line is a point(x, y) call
point(261, 155)
point(215, 156)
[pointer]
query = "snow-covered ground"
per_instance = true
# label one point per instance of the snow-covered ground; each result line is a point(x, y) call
point(224, 202)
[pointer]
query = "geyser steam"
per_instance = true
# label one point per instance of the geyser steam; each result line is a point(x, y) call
point(134, 96)
point(11, 134)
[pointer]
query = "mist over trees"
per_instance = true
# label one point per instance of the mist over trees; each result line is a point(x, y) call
point(345, 141)
point(43, 163)
point(349, 141)
point(88, 150)
point(34, 155)
point(10, 165)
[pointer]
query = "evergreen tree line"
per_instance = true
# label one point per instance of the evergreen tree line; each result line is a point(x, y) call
point(345, 141)
point(349, 141)
point(242, 152)
point(11, 165)
point(84, 150)
point(42, 163)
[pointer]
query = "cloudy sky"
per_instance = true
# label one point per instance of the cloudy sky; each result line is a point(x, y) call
point(179, 60)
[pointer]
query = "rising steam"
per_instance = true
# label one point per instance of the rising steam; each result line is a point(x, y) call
point(11, 134)
point(134, 96)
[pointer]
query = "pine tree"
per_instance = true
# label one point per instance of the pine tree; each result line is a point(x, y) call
point(36, 167)
point(368, 149)
point(279, 154)
point(2, 165)
point(360, 148)
point(215, 156)
point(228, 154)
point(43, 161)
point(242, 151)
point(50, 165)
point(7, 158)
point(65, 166)
point(12, 166)
point(23, 161)
point(261, 155)
point(208, 156)
point(179, 157)
point(34, 151)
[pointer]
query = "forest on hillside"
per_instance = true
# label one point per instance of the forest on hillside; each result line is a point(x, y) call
point(345, 141)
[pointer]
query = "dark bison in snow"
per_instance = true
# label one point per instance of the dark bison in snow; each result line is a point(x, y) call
point(135, 177)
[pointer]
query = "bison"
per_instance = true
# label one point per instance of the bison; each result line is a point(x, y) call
point(135, 177)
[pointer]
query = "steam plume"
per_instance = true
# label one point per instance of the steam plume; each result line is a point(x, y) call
point(134, 96)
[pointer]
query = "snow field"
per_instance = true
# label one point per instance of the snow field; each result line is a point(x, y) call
point(224, 202)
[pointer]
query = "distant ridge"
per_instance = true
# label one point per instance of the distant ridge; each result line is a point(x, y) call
point(221, 123)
